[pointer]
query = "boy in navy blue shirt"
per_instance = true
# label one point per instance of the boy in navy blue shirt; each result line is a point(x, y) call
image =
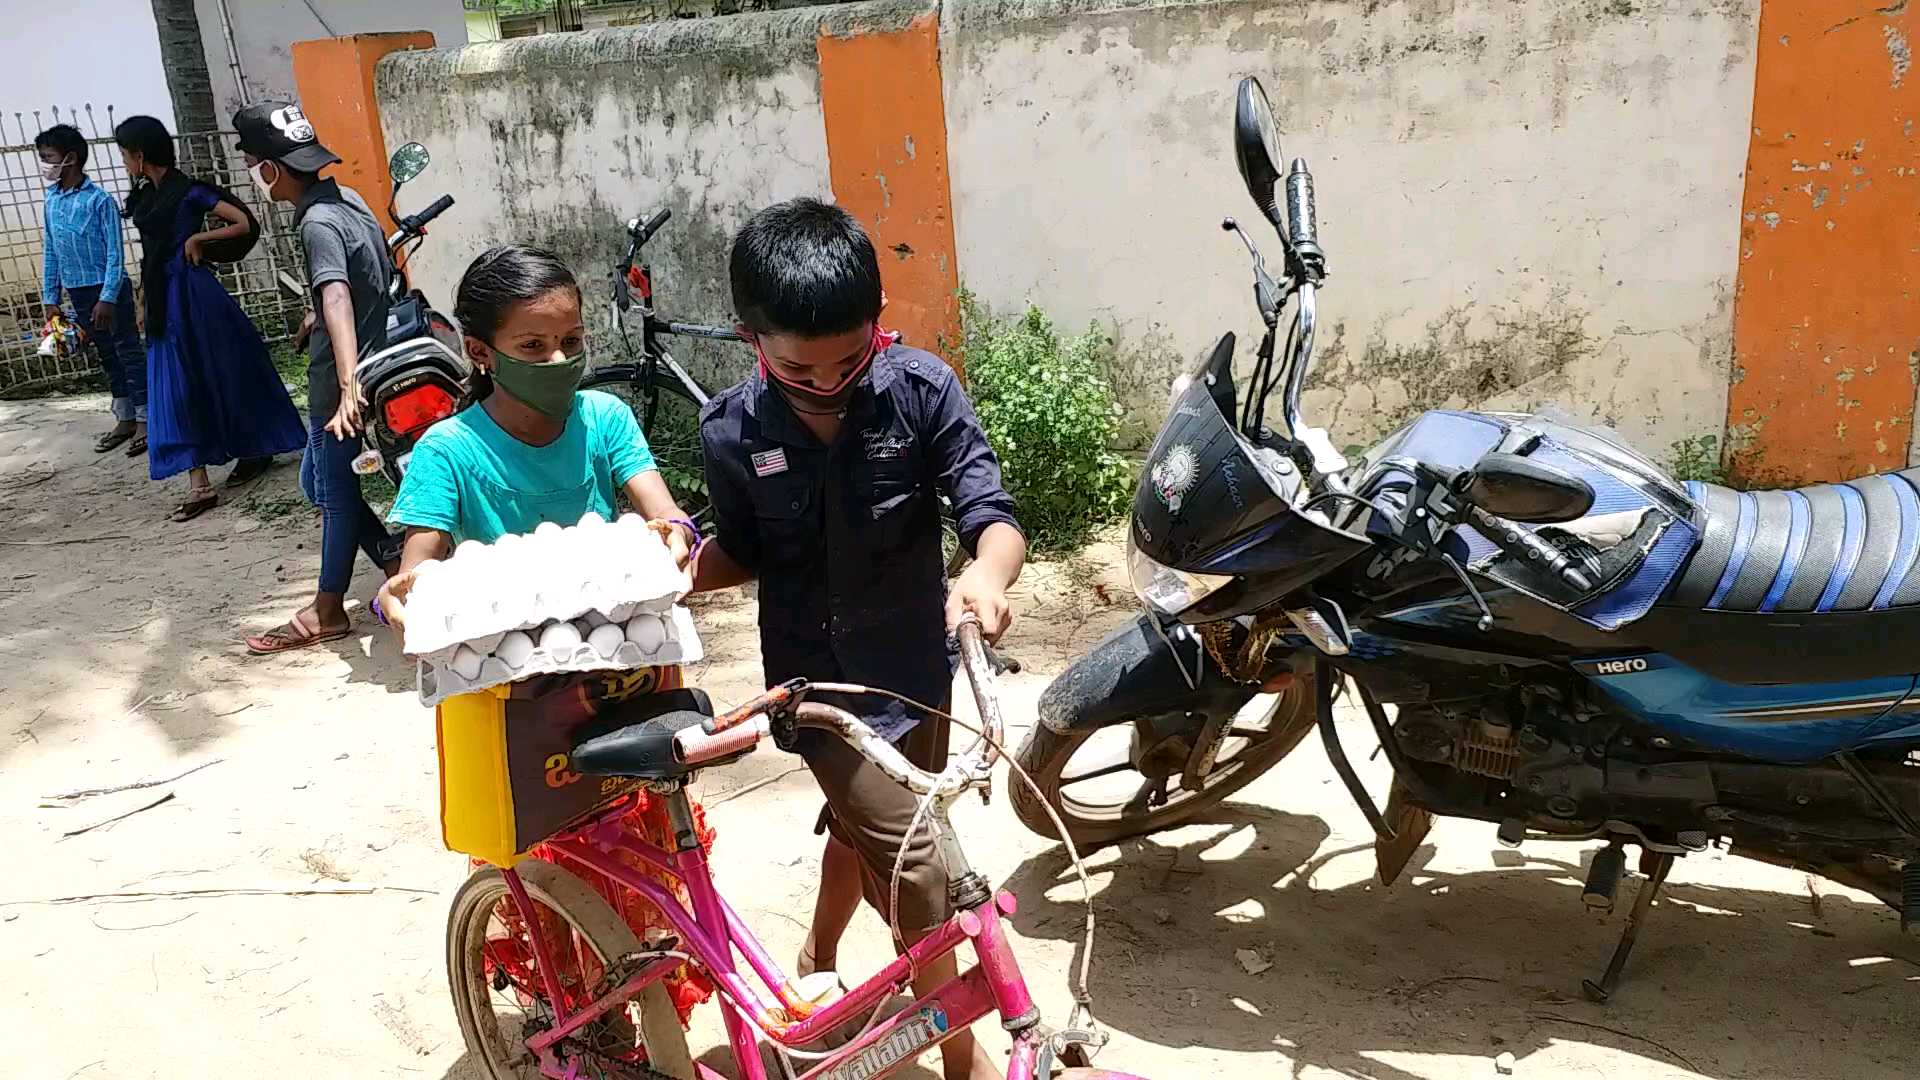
point(824, 468)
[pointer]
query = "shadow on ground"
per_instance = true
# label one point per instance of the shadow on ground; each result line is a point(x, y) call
point(1461, 964)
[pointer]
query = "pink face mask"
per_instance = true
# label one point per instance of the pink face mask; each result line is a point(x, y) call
point(809, 399)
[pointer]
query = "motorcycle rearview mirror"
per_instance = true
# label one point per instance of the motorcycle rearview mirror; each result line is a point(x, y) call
point(1256, 146)
point(407, 163)
point(1523, 490)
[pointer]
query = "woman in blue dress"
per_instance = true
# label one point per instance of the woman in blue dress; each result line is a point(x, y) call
point(213, 395)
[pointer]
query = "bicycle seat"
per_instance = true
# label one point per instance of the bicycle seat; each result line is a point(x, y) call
point(636, 740)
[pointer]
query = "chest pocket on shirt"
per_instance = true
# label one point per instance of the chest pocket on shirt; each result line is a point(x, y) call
point(784, 512)
point(562, 506)
point(894, 493)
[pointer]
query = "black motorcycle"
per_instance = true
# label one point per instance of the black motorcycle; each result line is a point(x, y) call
point(418, 378)
point(1577, 647)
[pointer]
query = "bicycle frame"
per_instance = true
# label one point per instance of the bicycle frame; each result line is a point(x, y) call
point(713, 932)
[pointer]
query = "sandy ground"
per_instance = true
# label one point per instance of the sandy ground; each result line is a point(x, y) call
point(120, 661)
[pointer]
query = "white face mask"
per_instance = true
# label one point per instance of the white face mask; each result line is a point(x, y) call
point(51, 173)
point(259, 180)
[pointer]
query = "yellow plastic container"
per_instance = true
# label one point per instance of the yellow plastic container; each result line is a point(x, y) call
point(505, 784)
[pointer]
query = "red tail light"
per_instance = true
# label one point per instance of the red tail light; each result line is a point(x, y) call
point(414, 410)
point(641, 281)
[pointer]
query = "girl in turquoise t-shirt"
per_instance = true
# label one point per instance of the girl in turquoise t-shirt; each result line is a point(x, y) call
point(530, 446)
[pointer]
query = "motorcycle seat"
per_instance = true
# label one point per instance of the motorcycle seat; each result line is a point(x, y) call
point(1848, 547)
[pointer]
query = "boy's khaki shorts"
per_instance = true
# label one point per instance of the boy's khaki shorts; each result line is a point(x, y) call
point(870, 814)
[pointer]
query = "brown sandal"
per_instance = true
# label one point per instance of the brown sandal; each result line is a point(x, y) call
point(198, 502)
point(291, 635)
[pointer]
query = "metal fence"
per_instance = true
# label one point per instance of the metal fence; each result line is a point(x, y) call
point(208, 155)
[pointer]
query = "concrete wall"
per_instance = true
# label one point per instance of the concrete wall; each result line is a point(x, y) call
point(1513, 211)
point(265, 30)
point(1514, 215)
point(560, 139)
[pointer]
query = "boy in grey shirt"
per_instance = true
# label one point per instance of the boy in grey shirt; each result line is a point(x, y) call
point(349, 271)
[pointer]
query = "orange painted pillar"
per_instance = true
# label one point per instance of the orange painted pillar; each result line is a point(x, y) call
point(1826, 330)
point(335, 81)
point(885, 111)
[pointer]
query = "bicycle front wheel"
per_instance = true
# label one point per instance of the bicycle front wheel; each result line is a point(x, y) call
point(500, 997)
point(670, 419)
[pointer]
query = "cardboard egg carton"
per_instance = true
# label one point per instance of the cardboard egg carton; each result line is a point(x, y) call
point(483, 592)
point(645, 639)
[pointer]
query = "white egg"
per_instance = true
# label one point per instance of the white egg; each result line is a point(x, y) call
point(465, 663)
point(425, 567)
point(546, 531)
point(514, 649)
point(605, 639)
point(647, 632)
point(590, 519)
point(560, 638)
point(470, 550)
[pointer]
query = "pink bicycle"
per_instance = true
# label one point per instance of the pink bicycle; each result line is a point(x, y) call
point(576, 977)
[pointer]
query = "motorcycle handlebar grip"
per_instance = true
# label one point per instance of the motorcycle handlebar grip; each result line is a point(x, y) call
point(1527, 545)
point(1303, 225)
point(653, 225)
point(438, 207)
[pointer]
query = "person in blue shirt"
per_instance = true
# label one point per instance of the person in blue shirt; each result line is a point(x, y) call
point(85, 255)
point(530, 446)
point(823, 467)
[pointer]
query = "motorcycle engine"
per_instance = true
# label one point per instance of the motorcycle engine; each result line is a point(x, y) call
point(1530, 749)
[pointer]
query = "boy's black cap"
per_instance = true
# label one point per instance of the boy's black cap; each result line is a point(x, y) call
point(279, 131)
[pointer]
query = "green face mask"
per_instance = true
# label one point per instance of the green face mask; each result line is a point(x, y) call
point(546, 388)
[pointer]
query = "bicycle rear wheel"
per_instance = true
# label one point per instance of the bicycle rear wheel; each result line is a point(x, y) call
point(501, 1000)
point(670, 419)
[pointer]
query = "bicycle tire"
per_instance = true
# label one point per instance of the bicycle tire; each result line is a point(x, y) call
point(674, 435)
point(567, 896)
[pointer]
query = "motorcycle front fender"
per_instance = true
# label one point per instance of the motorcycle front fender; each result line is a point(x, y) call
point(1142, 671)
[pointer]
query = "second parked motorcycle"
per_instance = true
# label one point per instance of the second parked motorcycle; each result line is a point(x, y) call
point(418, 379)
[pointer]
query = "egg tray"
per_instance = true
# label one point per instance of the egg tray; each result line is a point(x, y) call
point(438, 681)
point(485, 591)
point(487, 643)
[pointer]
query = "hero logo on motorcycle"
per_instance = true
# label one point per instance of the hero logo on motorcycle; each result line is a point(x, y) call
point(1174, 476)
point(1628, 666)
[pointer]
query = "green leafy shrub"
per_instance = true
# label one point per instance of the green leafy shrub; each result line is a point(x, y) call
point(1049, 412)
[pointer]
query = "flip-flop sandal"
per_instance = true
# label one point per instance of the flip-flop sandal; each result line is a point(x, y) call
point(283, 638)
point(137, 447)
point(194, 507)
point(110, 440)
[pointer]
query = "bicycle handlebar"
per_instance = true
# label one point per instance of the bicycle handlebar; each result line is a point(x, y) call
point(643, 233)
point(742, 728)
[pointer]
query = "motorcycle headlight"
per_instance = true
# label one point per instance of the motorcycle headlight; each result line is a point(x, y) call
point(1165, 589)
